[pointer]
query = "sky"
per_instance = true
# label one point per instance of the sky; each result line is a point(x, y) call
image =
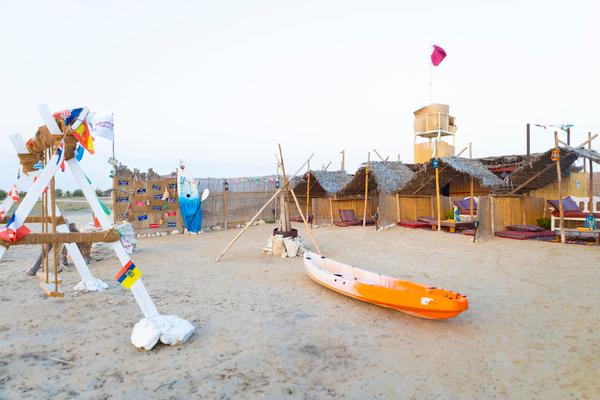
point(220, 83)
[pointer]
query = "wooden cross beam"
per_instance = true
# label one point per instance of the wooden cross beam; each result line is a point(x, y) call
point(67, 237)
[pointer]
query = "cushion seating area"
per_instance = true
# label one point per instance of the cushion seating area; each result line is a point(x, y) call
point(523, 235)
point(568, 205)
point(574, 214)
point(414, 224)
point(447, 224)
point(524, 228)
point(465, 205)
point(348, 218)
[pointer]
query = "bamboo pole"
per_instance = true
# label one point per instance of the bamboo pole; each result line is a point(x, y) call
point(560, 199)
point(343, 160)
point(397, 208)
point(437, 191)
point(308, 230)
point(45, 248)
point(235, 239)
point(284, 217)
point(492, 216)
point(307, 188)
point(591, 185)
point(379, 155)
point(331, 210)
point(366, 189)
point(54, 245)
point(225, 190)
point(471, 184)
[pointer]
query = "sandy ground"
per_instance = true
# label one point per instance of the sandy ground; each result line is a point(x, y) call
point(265, 330)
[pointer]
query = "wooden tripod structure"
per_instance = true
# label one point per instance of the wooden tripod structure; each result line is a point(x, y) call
point(169, 329)
point(288, 188)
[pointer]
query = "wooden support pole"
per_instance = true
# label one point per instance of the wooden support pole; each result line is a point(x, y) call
point(291, 189)
point(331, 210)
point(397, 207)
point(366, 189)
point(379, 155)
point(54, 244)
point(492, 216)
point(591, 185)
point(225, 192)
point(47, 238)
point(235, 239)
point(437, 192)
point(308, 189)
point(37, 219)
point(560, 198)
point(471, 185)
point(528, 139)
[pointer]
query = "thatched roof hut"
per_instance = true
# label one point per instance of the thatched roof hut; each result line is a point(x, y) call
point(322, 183)
point(384, 176)
point(451, 169)
point(540, 171)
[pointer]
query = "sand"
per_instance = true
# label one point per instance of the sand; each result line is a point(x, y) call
point(265, 330)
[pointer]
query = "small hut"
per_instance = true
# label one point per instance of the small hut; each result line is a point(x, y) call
point(384, 178)
point(316, 191)
point(534, 180)
point(417, 197)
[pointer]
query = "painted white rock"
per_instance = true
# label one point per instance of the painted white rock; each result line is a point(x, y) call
point(169, 329)
point(92, 285)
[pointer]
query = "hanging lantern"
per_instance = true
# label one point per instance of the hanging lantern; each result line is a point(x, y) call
point(555, 154)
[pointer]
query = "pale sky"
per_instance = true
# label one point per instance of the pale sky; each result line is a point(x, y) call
point(220, 83)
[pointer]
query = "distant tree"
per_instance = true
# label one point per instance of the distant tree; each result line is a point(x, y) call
point(22, 194)
point(107, 193)
point(98, 192)
point(68, 193)
point(77, 193)
point(59, 192)
point(2, 194)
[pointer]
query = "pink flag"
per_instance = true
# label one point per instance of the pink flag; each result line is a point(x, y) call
point(437, 55)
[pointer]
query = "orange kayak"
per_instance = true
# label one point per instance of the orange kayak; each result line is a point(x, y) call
point(409, 297)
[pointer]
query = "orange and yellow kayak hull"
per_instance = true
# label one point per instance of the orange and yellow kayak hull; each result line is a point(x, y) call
point(405, 296)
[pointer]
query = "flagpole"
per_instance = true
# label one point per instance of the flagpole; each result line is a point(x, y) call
point(430, 86)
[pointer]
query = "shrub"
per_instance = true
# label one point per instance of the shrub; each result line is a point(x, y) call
point(544, 223)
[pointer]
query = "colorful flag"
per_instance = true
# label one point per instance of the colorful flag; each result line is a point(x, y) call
point(14, 193)
point(38, 165)
point(154, 226)
point(140, 203)
point(103, 126)
point(437, 55)
point(128, 275)
point(172, 224)
point(60, 150)
point(142, 217)
point(84, 137)
point(13, 231)
point(79, 152)
point(170, 214)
